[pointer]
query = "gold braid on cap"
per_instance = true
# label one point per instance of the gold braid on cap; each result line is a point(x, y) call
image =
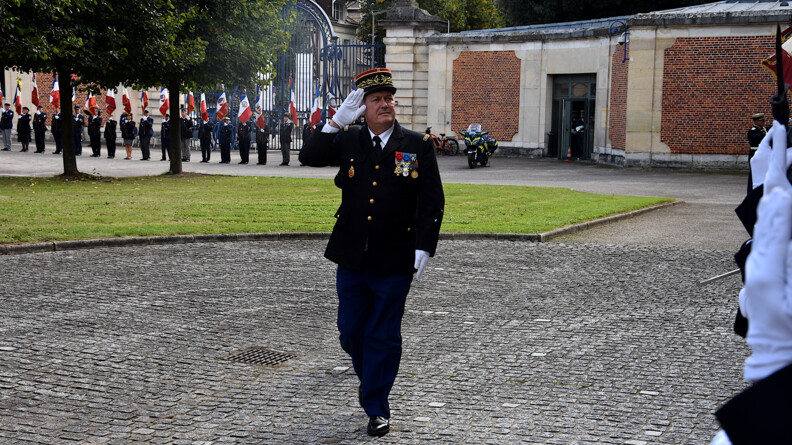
point(376, 81)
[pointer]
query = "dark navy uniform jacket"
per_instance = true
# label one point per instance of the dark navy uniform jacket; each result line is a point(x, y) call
point(383, 217)
point(6, 121)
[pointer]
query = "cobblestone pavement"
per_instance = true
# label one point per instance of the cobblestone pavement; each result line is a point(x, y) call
point(504, 342)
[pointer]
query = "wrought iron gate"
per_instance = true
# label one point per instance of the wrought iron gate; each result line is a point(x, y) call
point(314, 66)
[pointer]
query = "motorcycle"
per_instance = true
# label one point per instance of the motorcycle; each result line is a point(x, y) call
point(479, 146)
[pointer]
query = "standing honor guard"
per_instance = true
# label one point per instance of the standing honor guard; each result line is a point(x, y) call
point(756, 133)
point(205, 136)
point(79, 123)
point(57, 131)
point(6, 124)
point(128, 133)
point(386, 229)
point(146, 132)
point(40, 128)
point(23, 128)
point(243, 136)
point(262, 142)
point(186, 135)
point(95, 134)
point(286, 138)
point(110, 136)
point(165, 137)
point(226, 135)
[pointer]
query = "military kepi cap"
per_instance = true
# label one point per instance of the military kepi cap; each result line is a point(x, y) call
point(757, 116)
point(378, 79)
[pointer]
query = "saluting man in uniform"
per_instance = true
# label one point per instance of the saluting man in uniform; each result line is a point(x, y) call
point(755, 136)
point(387, 228)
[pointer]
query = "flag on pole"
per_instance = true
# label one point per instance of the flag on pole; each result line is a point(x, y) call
point(144, 101)
point(34, 95)
point(90, 104)
point(770, 62)
point(1, 95)
point(55, 93)
point(125, 100)
point(18, 96)
point(292, 106)
point(260, 122)
point(244, 108)
point(164, 101)
point(316, 110)
point(331, 99)
point(222, 105)
point(74, 93)
point(204, 113)
point(110, 102)
point(190, 102)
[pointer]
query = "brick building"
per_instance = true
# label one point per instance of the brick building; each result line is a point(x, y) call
point(677, 90)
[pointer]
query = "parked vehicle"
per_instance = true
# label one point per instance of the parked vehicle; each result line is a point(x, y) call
point(446, 145)
point(479, 145)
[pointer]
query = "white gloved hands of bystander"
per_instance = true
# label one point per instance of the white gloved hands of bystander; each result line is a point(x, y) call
point(766, 299)
point(351, 109)
point(421, 259)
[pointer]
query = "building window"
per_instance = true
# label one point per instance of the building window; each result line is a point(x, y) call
point(339, 8)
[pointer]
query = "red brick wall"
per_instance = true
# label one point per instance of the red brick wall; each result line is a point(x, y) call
point(486, 89)
point(617, 121)
point(711, 86)
point(44, 81)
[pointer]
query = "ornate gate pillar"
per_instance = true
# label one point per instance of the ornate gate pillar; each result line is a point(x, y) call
point(407, 56)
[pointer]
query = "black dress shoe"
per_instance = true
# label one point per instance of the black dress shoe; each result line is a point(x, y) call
point(6, 149)
point(284, 164)
point(204, 160)
point(261, 163)
point(378, 426)
point(111, 157)
point(163, 159)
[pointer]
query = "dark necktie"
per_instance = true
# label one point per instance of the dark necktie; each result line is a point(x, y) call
point(377, 146)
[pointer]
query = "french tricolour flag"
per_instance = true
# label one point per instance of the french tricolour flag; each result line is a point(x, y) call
point(55, 93)
point(244, 108)
point(110, 102)
point(34, 95)
point(222, 106)
point(164, 101)
point(125, 100)
point(260, 108)
point(204, 113)
point(292, 106)
point(316, 110)
point(144, 101)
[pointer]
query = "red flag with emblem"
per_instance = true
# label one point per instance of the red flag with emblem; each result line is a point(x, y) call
point(18, 97)
point(204, 112)
point(55, 93)
point(34, 94)
point(770, 62)
point(144, 101)
point(190, 102)
point(110, 102)
point(125, 100)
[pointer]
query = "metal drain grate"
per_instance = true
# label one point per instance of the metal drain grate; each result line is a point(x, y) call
point(257, 355)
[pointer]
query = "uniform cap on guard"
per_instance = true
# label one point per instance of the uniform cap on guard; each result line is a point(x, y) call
point(378, 79)
point(757, 116)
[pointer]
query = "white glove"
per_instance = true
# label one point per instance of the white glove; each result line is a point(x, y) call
point(760, 161)
point(421, 259)
point(351, 109)
point(765, 299)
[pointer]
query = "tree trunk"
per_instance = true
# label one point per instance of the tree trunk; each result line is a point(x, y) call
point(67, 122)
point(174, 151)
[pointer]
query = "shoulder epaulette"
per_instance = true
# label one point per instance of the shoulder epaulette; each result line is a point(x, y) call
point(426, 138)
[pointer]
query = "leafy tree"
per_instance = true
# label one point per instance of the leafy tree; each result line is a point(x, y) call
point(465, 15)
point(529, 12)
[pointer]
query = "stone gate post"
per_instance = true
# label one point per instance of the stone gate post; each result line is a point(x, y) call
point(407, 55)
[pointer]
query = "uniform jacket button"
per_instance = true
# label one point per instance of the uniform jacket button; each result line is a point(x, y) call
point(369, 218)
point(371, 201)
point(374, 183)
point(376, 167)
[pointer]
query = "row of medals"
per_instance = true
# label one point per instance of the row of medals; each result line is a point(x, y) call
point(403, 168)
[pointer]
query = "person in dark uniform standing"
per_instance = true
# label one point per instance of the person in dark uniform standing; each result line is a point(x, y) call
point(146, 132)
point(6, 124)
point(95, 134)
point(262, 142)
point(226, 136)
point(78, 124)
point(756, 133)
point(110, 136)
point(386, 229)
point(40, 128)
point(186, 135)
point(23, 128)
point(243, 136)
point(205, 132)
point(165, 136)
point(57, 131)
point(128, 133)
point(286, 137)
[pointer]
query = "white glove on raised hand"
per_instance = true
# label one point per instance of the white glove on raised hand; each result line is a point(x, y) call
point(761, 159)
point(421, 259)
point(351, 109)
point(766, 298)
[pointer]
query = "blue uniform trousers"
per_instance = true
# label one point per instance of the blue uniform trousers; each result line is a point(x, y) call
point(370, 310)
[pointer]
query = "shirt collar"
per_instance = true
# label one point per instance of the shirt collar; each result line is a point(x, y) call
point(384, 136)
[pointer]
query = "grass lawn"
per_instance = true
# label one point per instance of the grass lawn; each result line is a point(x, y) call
point(52, 209)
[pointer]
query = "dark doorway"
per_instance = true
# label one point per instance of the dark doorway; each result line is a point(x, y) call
point(573, 116)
